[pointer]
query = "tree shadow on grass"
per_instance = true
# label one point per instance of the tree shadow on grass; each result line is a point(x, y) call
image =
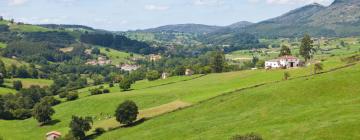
point(138, 122)
point(52, 122)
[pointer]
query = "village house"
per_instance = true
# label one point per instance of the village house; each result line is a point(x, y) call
point(164, 75)
point(189, 72)
point(128, 67)
point(101, 60)
point(53, 135)
point(283, 62)
point(154, 57)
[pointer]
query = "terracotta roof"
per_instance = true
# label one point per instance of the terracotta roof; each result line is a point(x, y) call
point(53, 133)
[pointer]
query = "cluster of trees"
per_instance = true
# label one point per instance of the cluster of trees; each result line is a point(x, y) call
point(19, 72)
point(126, 113)
point(211, 62)
point(20, 105)
point(118, 42)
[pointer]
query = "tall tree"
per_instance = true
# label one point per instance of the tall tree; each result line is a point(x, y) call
point(17, 85)
point(125, 84)
point(79, 125)
point(218, 62)
point(318, 67)
point(2, 69)
point(42, 112)
point(307, 48)
point(127, 112)
point(285, 50)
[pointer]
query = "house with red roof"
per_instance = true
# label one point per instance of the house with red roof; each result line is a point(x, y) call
point(53, 135)
point(286, 61)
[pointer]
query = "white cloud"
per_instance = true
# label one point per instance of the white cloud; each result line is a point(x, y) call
point(208, 2)
point(16, 2)
point(153, 7)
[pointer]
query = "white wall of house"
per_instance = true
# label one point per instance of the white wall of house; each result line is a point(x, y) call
point(272, 64)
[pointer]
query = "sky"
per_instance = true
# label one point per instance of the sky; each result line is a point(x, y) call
point(122, 15)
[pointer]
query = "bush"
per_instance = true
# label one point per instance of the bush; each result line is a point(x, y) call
point(72, 96)
point(111, 85)
point(153, 75)
point(17, 85)
point(96, 91)
point(51, 100)
point(99, 131)
point(21, 114)
point(250, 136)
point(106, 91)
point(125, 84)
point(63, 94)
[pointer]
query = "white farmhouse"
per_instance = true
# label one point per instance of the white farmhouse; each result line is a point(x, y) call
point(284, 61)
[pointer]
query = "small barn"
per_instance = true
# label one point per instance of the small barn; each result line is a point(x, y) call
point(283, 62)
point(164, 75)
point(53, 135)
point(189, 72)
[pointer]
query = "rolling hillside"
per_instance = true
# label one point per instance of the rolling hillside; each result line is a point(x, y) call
point(305, 108)
point(182, 93)
point(341, 18)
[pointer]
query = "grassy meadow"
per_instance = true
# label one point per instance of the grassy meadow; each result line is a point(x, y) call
point(188, 92)
point(319, 107)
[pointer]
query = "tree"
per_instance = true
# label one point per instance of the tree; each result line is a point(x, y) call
point(42, 112)
point(17, 85)
point(125, 84)
point(318, 67)
point(153, 75)
point(2, 69)
point(307, 48)
point(1, 18)
point(79, 125)
point(286, 75)
point(72, 96)
point(95, 51)
point(218, 62)
point(285, 50)
point(126, 113)
point(1, 80)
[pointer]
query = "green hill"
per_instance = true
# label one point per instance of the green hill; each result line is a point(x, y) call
point(184, 93)
point(305, 108)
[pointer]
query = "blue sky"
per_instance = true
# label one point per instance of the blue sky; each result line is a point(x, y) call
point(123, 15)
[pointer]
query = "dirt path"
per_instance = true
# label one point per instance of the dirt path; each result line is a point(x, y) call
point(147, 113)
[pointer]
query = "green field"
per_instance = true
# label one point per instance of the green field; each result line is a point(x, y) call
point(320, 107)
point(2, 45)
point(4, 90)
point(190, 92)
point(27, 82)
point(27, 28)
point(118, 57)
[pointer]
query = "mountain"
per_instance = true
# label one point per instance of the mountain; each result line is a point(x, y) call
point(185, 28)
point(240, 24)
point(341, 18)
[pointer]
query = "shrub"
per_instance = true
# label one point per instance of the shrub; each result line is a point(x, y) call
point(111, 85)
point(250, 136)
point(21, 114)
point(72, 96)
point(106, 91)
point(125, 84)
point(17, 85)
point(96, 91)
point(153, 75)
point(63, 94)
point(51, 100)
point(99, 131)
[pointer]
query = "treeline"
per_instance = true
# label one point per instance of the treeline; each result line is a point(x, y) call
point(118, 42)
point(20, 105)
